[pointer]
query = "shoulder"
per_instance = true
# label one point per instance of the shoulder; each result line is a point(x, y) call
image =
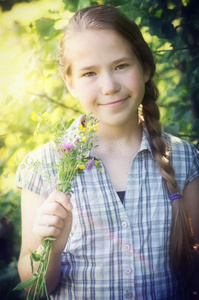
point(36, 171)
point(184, 158)
point(45, 154)
point(179, 147)
point(35, 164)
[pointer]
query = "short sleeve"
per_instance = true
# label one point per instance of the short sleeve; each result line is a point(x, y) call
point(37, 171)
point(184, 158)
point(194, 165)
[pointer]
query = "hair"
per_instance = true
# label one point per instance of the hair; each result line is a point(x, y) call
point(108, 17)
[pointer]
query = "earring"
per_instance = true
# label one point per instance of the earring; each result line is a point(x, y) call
point(140, 110)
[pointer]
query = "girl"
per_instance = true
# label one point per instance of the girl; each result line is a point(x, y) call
point(125, 232)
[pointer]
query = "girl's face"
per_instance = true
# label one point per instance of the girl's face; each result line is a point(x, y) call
point(106, 76)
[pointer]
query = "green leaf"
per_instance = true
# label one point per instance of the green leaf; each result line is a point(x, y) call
point(172, 128)
point(71, 5)
point(155, 26)
point(69, 123)
point(45, 26)
point(187, 117)
point(168, 31)
point(26, 283)
point(35, 256)
point(114, 2)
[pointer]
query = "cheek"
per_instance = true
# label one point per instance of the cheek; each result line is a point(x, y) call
point(135, 82)
point(87, 96)
point(86, 90)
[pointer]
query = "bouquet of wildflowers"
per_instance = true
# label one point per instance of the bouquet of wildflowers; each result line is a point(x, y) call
point(74, 155)
point(73, 159)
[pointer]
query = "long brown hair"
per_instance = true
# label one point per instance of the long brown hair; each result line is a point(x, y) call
point(108, 17)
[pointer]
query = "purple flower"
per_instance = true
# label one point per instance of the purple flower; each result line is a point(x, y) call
point(90, 164)
point(67, 146)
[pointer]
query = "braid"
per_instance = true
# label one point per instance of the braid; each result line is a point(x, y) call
point(181, 232)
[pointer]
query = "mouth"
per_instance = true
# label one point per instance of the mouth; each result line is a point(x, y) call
point(115, 103)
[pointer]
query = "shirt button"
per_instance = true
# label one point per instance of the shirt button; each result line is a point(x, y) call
point(124, 224)
point(127, 271)
point(128, 294)
point(126, 247)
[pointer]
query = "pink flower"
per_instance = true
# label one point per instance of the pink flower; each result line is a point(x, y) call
point(90, 164)
point(67, 146)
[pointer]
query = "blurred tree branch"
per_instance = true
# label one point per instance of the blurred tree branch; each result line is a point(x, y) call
point(54, 101)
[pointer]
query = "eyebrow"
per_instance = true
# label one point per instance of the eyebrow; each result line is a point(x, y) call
point(115, 62)
point(87, 68)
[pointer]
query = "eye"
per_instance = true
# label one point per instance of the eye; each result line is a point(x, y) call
point(89, 74)
point(122, 66)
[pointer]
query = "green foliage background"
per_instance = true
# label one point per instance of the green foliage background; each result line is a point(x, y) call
point(29, 81)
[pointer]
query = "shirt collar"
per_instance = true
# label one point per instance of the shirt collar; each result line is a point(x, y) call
point(74, 126)
point(146, 144)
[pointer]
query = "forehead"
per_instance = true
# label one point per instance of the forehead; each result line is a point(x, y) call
point(98, 46)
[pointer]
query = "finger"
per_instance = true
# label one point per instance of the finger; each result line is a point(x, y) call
point(53, 208)
point(50, 225)
point(44, 231)
point(49, 221)
point(63, 199)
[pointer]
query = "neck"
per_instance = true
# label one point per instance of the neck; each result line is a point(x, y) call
point(127, 135)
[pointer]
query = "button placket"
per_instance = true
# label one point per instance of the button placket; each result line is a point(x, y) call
point(126, 247)
point(124, 224)
point(127, 268)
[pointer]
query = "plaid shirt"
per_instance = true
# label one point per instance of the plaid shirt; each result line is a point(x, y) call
point(119, 251)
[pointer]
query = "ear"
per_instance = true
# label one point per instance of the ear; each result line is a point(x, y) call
point(70, 86)
point(147, 72)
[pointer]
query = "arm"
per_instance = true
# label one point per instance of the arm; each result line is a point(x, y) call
point(36, 213)
point(191, 198)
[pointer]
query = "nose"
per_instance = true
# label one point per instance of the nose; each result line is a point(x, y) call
point(109, 84)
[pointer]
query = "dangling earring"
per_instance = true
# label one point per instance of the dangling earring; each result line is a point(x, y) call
point(140, 112)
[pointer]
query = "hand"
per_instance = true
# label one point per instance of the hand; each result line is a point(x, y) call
point(54, 218)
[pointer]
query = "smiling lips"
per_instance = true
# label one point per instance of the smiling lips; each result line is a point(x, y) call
point(114, 103)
